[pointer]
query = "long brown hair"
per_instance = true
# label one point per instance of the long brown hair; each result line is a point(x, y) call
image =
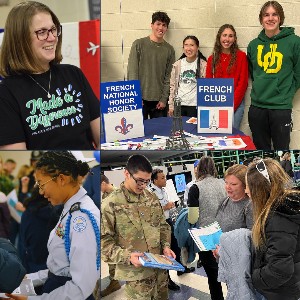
point(266, 196)
point(218, 49)
point(16, 56)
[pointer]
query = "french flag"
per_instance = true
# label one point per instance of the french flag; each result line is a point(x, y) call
point(215, 118)
point(81, 47)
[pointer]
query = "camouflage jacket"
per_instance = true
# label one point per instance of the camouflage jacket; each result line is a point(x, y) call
point(130, 223)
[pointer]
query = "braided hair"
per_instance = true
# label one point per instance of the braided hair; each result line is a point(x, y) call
point(54, 163)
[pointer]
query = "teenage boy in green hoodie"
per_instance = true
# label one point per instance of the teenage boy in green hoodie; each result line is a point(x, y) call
point(274, 65)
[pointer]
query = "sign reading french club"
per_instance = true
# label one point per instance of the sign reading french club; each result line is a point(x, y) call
point(121, 108)
point(215, 105)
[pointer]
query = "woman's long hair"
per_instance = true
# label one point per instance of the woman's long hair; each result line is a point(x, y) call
point(199, 56)
point(218, 49)
point(266, 196)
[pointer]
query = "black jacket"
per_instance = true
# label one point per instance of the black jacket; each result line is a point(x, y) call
point(287, 166)
point(276, 269)
point(11, 270)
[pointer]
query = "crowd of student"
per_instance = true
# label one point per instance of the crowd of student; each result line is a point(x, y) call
point(57, 241)
point(272, 62)
point(256, 205)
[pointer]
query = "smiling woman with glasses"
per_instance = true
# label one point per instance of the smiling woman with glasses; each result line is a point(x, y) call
point(276, 231)
point(51, 105)
point(43, 34)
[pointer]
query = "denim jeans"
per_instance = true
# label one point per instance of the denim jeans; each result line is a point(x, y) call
point(238, 115)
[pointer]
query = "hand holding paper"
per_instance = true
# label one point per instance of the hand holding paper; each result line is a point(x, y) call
point(134, 259)
point(168, 252)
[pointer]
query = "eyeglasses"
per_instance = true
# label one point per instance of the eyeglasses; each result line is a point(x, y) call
point(140, 182)
point(43, 34)
point(40, 186)
point(262, 169)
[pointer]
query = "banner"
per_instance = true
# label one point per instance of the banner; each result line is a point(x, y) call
point(215, 98)
point(81, 47)
point(121, 108)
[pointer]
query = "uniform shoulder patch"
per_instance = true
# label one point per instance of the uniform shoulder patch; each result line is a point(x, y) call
point(79, 224)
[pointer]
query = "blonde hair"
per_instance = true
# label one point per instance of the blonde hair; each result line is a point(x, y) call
point(16, 56)
point(286, 156)
point(239, 171)
point(24, 171)
point(266, 196)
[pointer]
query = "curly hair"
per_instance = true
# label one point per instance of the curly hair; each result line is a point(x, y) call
point(218, 49)
point(161, 17)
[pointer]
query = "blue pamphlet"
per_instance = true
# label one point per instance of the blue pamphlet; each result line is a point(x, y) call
point(206, 238)
point(160, 261)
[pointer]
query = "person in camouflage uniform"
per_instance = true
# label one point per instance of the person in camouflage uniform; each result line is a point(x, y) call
point(114, 285)
point(133, 222)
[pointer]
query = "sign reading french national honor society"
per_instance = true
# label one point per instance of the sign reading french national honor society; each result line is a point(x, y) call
point(215, 105)
point(121, 108)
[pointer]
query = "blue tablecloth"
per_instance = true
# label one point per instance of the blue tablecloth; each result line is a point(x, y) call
point(163, 126)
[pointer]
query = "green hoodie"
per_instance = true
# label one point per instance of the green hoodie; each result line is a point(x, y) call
point(274, 65)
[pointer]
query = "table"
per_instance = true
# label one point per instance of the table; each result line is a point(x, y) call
point(162, 126)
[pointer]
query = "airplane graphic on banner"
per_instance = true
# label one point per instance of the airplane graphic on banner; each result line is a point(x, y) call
point(93, 48)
